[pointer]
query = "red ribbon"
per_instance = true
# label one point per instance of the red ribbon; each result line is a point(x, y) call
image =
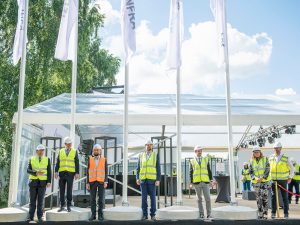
point(287, 190)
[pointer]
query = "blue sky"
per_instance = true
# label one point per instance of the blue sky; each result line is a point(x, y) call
point(279, 19)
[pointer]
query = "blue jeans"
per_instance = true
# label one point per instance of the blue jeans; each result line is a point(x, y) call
point(148, 188)
point(246, 185)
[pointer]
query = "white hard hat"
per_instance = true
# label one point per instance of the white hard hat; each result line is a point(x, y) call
point(292, 160)
point(67, 140)
point(245, 163)
point(277, 145)
point(40, 147)
point(197, 147)
point(98, 146)
point(149, 142)
point(255, 148)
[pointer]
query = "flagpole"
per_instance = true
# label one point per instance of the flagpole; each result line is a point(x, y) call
point(125, 137)
point(228, 109)
point(74, 80)
point(20, 110)
point(178, 131)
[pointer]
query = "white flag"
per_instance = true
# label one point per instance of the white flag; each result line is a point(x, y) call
point(19, 36)
point(219, 12)
point(128, 28)
point(175, 35)
point(66, 41)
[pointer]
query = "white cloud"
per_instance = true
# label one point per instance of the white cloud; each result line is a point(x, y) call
point(285, 92)
point(249, 56)
point(112, 16)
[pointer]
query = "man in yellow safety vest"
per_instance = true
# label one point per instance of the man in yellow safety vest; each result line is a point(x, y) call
point(201, 179)
point(39, 170)
point(148, 177)
point(67, 168)
point(281, 172)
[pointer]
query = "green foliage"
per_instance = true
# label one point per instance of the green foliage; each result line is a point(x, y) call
point(47, 77)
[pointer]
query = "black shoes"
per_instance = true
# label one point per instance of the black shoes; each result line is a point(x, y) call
point(61, 209)
point(29, 219)
point(100, 217)
point(40, 220)
point(273, 215)
point(69, 209)
point(92, 218)
point(286, 216)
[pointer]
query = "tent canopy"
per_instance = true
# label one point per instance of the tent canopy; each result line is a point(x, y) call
point(160, 109)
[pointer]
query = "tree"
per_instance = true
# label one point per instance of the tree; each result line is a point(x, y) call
point(47, 77)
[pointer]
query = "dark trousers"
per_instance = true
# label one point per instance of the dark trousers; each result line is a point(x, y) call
point(293, 184)
point(37, 193)
point(284, 195)
point(148, 188)
point(94, 187)
point(66, 178)
point(246, 185)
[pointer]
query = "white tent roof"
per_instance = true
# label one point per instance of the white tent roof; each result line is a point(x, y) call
point(160, 109)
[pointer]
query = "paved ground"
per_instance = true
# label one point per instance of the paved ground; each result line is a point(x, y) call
point(294, 211)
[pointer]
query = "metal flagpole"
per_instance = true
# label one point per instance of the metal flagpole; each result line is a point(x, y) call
point(20, 109)
point(74, 80)
point(125, 138)
point(228, 109)
point(178, 131)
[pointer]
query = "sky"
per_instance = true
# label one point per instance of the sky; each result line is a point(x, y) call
point(263, 47)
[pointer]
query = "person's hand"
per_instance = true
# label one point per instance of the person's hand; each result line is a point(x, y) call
point(105, 185)
point(157, 183)
point(191, 185)
point(48, 185)
point(289, 180)
point(88, 187)
point(258, 179)
point(56, 175)
point(40, 173)
point(213, 183)
point(138, 182)
point(76, 176)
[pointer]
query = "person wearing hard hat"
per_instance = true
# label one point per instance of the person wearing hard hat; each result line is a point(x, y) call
point(97, 181)
point(282, 172)
point(148, 177)
point(201, 179)
point(66, 169)
point(295, 181)
point(259, 172)
point(39, 170)
point(246, 178)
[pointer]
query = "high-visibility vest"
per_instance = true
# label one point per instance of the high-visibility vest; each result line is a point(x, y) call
point(279, 170)
point(259, 168)
point(200, 172)
point(97, 173)
point(148, 167)
point(38, 165)
point(67, 163)
point(296, 169)
point(246, 173)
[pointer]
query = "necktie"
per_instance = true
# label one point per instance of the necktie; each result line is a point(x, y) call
point(40, 158)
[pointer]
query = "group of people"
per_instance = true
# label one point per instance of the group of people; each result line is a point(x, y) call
point(265, 174)
point(66, 170)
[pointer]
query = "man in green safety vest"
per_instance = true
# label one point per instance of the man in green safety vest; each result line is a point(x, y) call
point(246, 178)
point(281, 172)
point(39, 170)
point(148, 177)
point(67, 168)
point(201, 179)
point(295, 181)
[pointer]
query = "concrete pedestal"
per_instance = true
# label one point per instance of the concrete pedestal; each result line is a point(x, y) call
point(77, 214)
point(13, 214)
point(123, 213)
point(234, 213)
point(178, 213)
